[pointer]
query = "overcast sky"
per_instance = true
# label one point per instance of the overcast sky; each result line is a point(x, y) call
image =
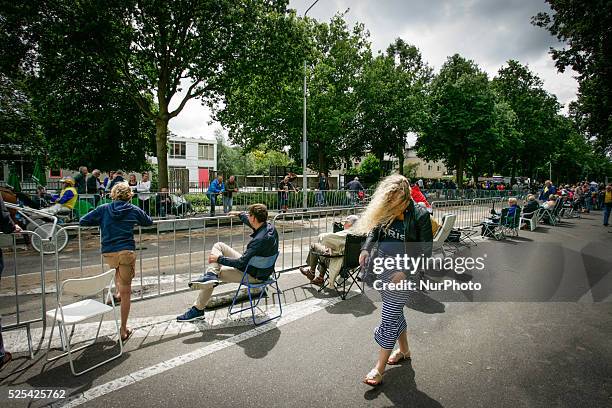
point(490, 32)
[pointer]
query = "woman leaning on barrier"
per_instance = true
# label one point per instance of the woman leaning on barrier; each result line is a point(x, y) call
point(392, 221)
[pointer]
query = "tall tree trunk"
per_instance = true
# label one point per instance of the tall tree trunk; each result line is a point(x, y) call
point(161, 140)
point(459, 176)
point(381, 157)
point(400, 156)
point(322, 162)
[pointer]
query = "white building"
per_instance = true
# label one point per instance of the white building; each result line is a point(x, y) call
point(423, 168)
point(198, 155)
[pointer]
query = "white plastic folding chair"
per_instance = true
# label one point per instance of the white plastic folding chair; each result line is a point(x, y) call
point(533, 221)
point(85, 309)
point(443, 233)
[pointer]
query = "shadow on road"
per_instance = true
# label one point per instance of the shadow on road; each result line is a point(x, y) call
point(262, 345)
point(400, 388)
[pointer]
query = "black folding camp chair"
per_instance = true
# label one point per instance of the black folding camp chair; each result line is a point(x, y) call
point(349, 271)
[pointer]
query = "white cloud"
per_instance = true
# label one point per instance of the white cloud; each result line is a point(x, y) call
point(490, 32)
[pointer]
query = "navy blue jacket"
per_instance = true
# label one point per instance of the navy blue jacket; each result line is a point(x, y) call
point(551, 190)
point(116, 221)
point(264, 242)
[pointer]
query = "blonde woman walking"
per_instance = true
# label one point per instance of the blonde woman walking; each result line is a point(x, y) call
point(394, 226)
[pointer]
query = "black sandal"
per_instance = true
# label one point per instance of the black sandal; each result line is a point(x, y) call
point(127, 336)
point(116, 299)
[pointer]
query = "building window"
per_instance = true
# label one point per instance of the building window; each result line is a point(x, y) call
point(429, 167)
point(206, 151)
point(438, 168)
point(177, 150)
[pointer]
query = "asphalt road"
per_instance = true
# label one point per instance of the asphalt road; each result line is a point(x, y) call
point(519, 343)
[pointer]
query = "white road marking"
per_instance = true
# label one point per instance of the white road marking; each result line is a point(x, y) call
point(292, 313)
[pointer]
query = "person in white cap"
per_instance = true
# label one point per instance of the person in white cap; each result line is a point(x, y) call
point(329, 243)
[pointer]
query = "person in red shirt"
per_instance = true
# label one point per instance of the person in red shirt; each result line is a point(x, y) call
point(419, 197)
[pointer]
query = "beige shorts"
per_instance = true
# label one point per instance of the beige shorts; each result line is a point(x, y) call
point(124, 262)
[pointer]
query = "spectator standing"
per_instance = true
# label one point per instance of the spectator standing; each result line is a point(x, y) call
point(354, 187)
point(7, 226)
point(588, 198)
point(80, 180)
point(231, 187)
point(132, 181)
point(116, 221)
point(94, 185)
point(93, 182)
point(322, 186)
point(143, 188)
point(607, 204)
point(117, 178)
point(283, 191)
point(216, 187)
point(108, 179)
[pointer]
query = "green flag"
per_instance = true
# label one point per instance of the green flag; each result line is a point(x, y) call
point(13, 181)
point(39, 175)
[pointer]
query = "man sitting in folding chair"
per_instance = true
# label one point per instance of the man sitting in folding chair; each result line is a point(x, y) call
point(321, 252)
point(228, 265)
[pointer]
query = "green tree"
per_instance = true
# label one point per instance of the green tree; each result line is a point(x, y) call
point(370, 166)
point(535, 111)
point(265, 107)
point(391, 94)
point(228, 157)
point(585, 28)
point(169, 52)
point(71, 109)
point(461, 116)
point(263, 158)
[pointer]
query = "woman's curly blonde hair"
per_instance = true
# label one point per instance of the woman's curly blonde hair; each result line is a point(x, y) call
point(121, 191)
point(392, 193)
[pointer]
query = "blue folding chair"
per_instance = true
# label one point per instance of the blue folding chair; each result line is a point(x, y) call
point(259, 262)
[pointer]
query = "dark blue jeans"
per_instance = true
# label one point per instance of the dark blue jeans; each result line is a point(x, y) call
point(213, 203)
point(606, 214)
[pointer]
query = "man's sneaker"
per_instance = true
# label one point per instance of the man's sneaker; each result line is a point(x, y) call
point(190, 315)
point(209, 278)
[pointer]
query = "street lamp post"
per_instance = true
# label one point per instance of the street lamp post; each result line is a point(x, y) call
point(304, 135)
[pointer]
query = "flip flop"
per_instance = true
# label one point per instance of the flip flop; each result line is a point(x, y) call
point(127, 336)
point(394, 360)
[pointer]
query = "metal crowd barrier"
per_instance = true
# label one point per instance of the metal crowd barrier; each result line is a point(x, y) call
point(297, 230)
point(169, 254)
point(172, 251)
point(469, 213)
point(17, 309)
